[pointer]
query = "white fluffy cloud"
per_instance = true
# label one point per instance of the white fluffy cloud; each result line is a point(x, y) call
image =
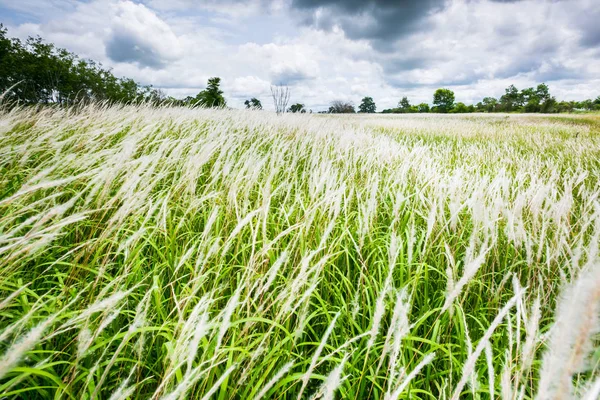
point(139, 36)
point(475, 47)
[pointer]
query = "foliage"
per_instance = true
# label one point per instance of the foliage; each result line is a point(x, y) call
point(529, 100)
point(460, 108)
point(423, 108)
point(297, 108)
point(443, 100)
point(212, 96)
point(404, 104)
point(511, 99)
point(367, 105)
point(253, 103)
point(489, 104)
point(341, 107)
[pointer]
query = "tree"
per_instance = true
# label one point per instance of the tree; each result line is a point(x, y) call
point(460, 108)
point(253, 104)
point(564, 106)
point(297, 108)
point(511, 100)
point(404, 104)
point(212, 96)
point(546, 100)
point(367, 105)
point(531, 101)
point(281, 97)
point(341, 107)
point(587, 104)
point(423, 108)
point(443, 99)
point(549, 106)
point(490, 104)
point(542, 91)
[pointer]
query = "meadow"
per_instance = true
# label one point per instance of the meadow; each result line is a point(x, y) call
point(174, 253)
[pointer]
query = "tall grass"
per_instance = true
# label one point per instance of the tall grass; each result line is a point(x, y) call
point(168, 253)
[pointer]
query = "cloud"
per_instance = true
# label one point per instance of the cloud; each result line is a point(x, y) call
point(244, 87)
point(588, 26)
point(139, 36)
point(470, 42)
point(328, 49)
point(379, 21)
point(290, 74)
point(286, 63)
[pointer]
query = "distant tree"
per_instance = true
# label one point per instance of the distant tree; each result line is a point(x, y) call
point(423, 108)
point(281, 97)
point(490, 104)
point(542, 91)
point(460, 108)
point(512, 99)
point(212, 96)
point(297, 108)
point(587, 104)
point(253, 104)
point(443, 99)
point(531, 101)
point(549, 106)
point(341, 107)
point(367, 105)
point(404, 104)
point(566, 106)
point(546, 100)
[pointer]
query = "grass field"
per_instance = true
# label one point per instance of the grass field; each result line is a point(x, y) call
point(176, 253)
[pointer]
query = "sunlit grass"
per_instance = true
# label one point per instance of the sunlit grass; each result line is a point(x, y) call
point(175, 253)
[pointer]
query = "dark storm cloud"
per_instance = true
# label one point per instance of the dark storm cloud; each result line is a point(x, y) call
point(590, 28)
point(124, 47)
point(379, 21)
point(591, 38)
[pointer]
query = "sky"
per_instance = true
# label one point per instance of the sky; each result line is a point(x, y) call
point(328, 50)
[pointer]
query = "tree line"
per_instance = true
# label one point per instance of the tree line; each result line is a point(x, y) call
point(529, 100)
point(35, 72)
